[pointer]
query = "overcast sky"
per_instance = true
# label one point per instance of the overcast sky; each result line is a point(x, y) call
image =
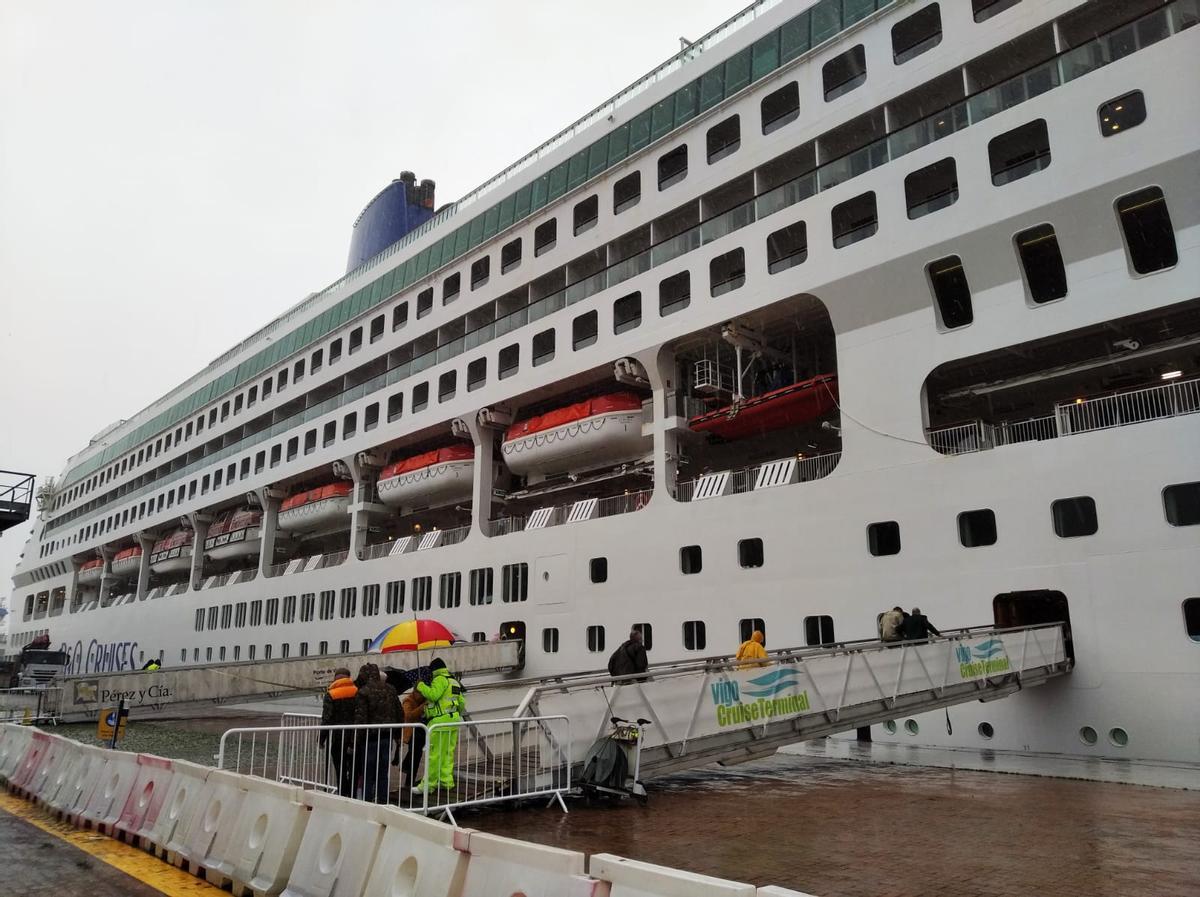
point(174, 174)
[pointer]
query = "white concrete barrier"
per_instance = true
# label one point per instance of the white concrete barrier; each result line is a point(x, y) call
point(631, 878)
point(416, 858)
point(73, 797)
point(266, 838)
point(338, 849)
point(185, 797)
point(58, 782)
point(14, 740)
point(59, 751)
point(502, 866)
point(115, 784)
point(150, 786)
point(209, 834)
point(29, 763)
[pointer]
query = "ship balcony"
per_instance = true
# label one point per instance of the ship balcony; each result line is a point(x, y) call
point(544, 516)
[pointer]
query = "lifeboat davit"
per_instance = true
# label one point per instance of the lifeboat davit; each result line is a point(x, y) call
point(323, 509)
point(127, 563)
point(599, 432)
point(429, 480)
point(91, 572)
point(174, 553)
point(234, 534)
point(776, 410)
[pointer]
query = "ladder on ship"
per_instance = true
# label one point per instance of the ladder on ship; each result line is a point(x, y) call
point(720, 710)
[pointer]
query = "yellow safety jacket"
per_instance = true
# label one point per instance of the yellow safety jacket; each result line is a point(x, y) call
point(443, 696)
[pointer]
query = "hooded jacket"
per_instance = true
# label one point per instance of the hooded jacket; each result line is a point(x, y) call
point(337, 707)
point(443, 695)
point(376, 701)
point(752, 651)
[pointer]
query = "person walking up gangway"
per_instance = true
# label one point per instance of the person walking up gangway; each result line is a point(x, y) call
point(376, 703)
point(752, 652)
point(630, 657)
point(890, 625)
point(444, 703)
point(916, 626)
point(337, 709)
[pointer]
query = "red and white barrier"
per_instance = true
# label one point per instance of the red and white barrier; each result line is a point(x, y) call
point(185, 797)
point(73, 797)
point(630, 878)
point(505, 866)
point(416, 857)
point(58, 753)
point(150, 786)
point(14, 741)
point(30, 762)
point(57, 781)
point(112, 790)
point(338, 849)
point(266, 838)
point(208, 838)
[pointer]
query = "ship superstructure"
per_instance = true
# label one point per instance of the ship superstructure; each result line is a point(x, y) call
point(847, 305)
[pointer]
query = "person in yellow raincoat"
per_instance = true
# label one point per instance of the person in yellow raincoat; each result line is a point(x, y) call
point(752, 651)
point(444, 703)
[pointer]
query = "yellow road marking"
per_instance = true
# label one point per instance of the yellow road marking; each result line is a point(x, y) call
point(145, 867)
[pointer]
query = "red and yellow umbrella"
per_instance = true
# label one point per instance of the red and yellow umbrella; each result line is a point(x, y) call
point(412, 635)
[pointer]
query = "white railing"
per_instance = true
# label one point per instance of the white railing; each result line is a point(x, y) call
point(610, 506)
point(495, 760)
point(33, 704)
point(744, 479)
point(1120, 409)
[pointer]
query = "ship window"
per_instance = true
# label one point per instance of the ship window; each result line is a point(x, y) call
point(510, 255)
point(515, 580)
point(1019, 152)
point(977, 528)
point(212, 617)
point(1041, 263)
point(750, 552)
point(1074, 516)
point(420, 397)
point(377, 325)
point(626, 192)
point(509, 360)
point(543, 347)
point(289, 609)
point(691, 559)
point(1122, 113)
point(371, 417)
point(356, 339)
point(985, 9)
point(449, 590)
point(370, 600)
point(694, 636)
point(424, 302)
point(854, 220)
point(329, 434)
point(327, 603)
point(285, 650)
point(584, 330)
point(480, 586)
point(399, 315)
point(208, 654)
point(199, 615)
point(724, 138)
point(317, 361)
point(335, 353)
point(780, 107)
point(1182, 504)
point(298, 371)
point(931, 188)
point(224, 414)
point(647, 631)
point(545, 235)
point(674, 293)
point(349, 424)
point(260, 461)
point(627, 312)
point(451, 287)
point(749, 625)
point(447, 386)
point(256, 612)
point(727, 272)
point(1191, 618)
point(951, 293)
point(598, 570)
point(550, 641)
point(268, 386)
point(476, 373)
point(672, 167)
point(237, 409)
point(587, 213)
point(818, 630)
point(395, 406)
point(919, 32)
point(394, 597)
point(481, 270)
point(844, 72)
point(1146, 224)
point(422, 593)
point(883, 538)
point(787, 247)
point(267, 652)
point(595, 639)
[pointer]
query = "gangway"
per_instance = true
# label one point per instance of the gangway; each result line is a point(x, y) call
point(16, 493)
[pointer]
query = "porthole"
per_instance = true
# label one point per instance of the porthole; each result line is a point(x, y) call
point(911, 727)
point(1088, 735)
point(1118, 736)
point(890, 727)
point(986, 730)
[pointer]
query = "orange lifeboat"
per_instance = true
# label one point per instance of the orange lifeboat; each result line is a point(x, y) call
point(431, 479)
point(173, 553)
point(234, 534)
point(599, 432)
point(323, 509)
point(91, 572)
point(776, 410)
point(127, 562)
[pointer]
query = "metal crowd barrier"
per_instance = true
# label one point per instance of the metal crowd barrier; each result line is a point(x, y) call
point(31, 704)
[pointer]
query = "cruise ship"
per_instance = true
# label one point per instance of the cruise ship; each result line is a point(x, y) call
point(847, 305)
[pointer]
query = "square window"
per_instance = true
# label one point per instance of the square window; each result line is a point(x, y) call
point(985, 9)
point(481, 270)
point(377, 326)
point(476, 374)
point(1191, 618)
point(399, 315)
point(543, 347)
point(727, 272)
point(626, 192)
point(1146, 226)
point(550, 641)
point(883, 538)
point(844, 72)
point(750, 625)
point(335, 353)
point(349, 425)
point(694, 636)
point(447, 386)
point(480, 586)
point(509, 360)
point(420, 397)
point(584, 330)
point(647, 631)
point(691, 559)
point(672, 167)
point(1019, 153)
point(951, 293)
point(787, 247)
point(750, 552)
point(818, 630)
point(914, 35)
point(317, 361)
point(395, 406)
point(424, 302)
point(931, 188)
point(723, 138)
point(545, 235)
point(451, 287)
point(627, 313)
point(1182, 504)
point(674, 293)
point(977, 528)
point(598, 569)
point(510, 256)
point(595, 639)
point(587, 213)
point(371, 417)
point(1041, 263)
point(1074, 516)
point(1121, 114)
point(780, 107)
point(356, 340)
point(855, 219)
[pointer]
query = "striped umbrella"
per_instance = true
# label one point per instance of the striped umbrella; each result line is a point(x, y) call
point(412, 635)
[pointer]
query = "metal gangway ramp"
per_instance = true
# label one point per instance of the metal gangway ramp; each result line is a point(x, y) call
point(726, 711)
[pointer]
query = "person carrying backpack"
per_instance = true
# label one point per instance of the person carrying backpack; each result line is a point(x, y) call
point(630, 658)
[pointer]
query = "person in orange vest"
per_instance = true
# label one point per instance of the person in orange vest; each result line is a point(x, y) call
point(337, 709)
point(752, 652)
